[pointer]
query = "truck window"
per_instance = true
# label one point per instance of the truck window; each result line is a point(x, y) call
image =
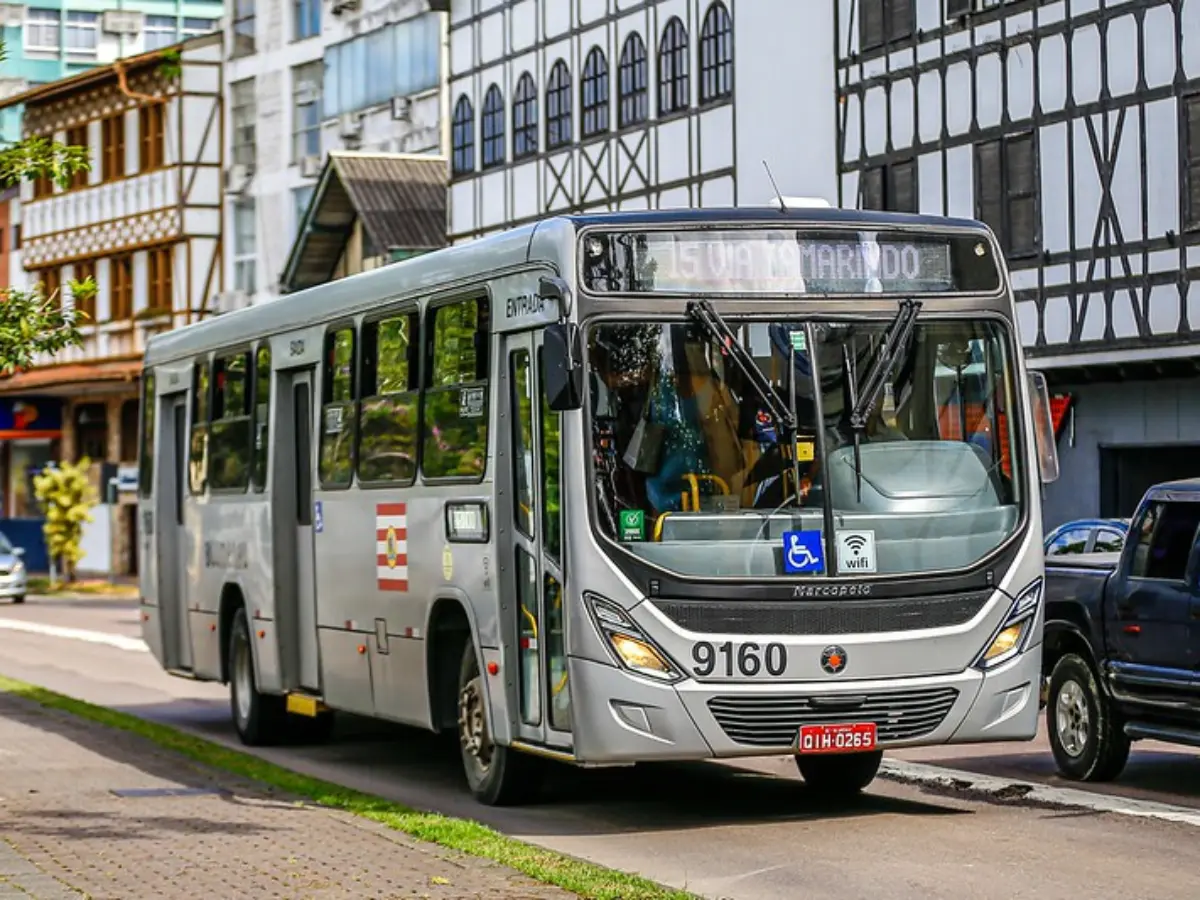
point(1072, 541)
point(1164, 536)
point(1108, 541)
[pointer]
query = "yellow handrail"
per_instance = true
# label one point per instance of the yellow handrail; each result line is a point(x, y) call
point(694, 480)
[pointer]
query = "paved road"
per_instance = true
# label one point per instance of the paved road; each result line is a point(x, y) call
point(745, 831)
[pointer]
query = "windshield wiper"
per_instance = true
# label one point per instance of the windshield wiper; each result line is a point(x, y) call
point(895, 338)
point(702, 312)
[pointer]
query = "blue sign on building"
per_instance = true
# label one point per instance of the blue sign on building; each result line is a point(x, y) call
point(30, 417)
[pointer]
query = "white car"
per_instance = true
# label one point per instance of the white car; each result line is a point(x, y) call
point(13, 578)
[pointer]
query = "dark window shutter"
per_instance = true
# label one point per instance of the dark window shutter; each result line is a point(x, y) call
point(956, 9)
point(870, 24)
point(989, 189)
point(902, 187)
point(1021, 186)
point(1191, 112)
point(871, 189)
point(901, 16)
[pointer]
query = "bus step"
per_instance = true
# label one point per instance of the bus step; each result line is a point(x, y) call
point(305, 705)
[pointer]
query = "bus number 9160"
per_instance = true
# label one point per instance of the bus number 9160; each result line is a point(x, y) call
point(747, 660)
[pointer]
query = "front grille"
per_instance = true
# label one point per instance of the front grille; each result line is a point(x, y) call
point(775, 721)
point(824, 617)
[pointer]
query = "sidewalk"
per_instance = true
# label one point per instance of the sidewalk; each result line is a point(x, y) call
point(86, 811)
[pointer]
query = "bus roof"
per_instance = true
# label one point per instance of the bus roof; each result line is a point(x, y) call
point(462, 263)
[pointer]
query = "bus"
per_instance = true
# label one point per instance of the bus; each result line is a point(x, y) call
point(614, 488)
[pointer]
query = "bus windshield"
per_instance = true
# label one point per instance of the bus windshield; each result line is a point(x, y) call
point(694, 474)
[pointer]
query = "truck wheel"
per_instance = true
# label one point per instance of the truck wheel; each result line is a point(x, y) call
point(497, 776)
point(1086, 734)
point(841, 775)
point(260, 719)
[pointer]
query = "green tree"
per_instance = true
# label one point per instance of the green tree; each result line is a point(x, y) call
point(32, 323)
point(67, 497)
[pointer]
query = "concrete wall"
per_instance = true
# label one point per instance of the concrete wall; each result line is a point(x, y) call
point(1135, 412)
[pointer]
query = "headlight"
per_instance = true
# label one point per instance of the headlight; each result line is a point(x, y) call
point(630, 645)
point(18, 567)
point(1014, 633)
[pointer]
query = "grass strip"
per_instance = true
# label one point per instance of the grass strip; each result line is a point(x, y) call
point(585, 879)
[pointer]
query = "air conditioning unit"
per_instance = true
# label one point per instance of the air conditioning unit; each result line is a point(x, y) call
point(341, 6)
point(237, 178)
point(350, 127)
point(12, 15)
point(307, 93)
point(402, 109)
point(10, 87)
point(310, 166)
point(228, 301)
point(125, 22)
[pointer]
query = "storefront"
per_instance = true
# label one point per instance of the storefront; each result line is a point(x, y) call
point(30, 437)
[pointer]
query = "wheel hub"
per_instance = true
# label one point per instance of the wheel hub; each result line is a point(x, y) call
point(472, 724)
point(1072, 718)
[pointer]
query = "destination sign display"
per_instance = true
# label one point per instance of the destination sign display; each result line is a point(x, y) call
point(785, 261)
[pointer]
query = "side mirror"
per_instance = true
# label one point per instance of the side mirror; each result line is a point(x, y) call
point(562, 371)
point(1043, 427)
point(18, 552)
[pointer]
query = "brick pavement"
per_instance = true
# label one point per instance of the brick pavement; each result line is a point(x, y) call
point(87, 811)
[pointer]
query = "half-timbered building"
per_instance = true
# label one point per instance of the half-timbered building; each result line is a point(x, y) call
point(1072, 127)
point(569, 105)
point(145, 224)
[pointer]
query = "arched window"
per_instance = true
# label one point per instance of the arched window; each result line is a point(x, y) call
point(593, 94)
point(558, 107)
point(633, 83)
point(716, 54)
point(525, 118)
point(462, 137)
point(492, 128)
point(673, 85)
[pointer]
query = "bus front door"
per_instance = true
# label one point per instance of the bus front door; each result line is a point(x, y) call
point(173, 538)
point(544, 695)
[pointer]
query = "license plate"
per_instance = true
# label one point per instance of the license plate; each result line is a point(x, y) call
point(849, 738)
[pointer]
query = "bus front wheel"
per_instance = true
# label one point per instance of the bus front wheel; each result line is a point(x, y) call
point(840, 775)
point(497, 776)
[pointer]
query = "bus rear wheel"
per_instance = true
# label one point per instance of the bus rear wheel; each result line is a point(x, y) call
point(497, 776)
point(260, 719)
point(840, 775)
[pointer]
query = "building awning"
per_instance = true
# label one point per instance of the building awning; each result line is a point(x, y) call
point(399, 198)
point(73, 379)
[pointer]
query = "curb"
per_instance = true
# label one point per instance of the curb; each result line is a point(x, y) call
point(1026, 793)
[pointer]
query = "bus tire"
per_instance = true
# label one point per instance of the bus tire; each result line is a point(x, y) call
point(497, 776)
point(839, 775)
point(260, 719)
point(1087, 736)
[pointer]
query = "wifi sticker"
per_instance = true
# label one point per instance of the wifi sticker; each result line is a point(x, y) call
point(856, 552)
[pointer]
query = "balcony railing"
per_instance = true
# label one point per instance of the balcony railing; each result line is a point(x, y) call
point(100, 203)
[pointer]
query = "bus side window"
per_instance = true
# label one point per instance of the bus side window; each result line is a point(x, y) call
point(262, 415)
point(387, 434)
point(146, 460)
point(456, 398)
point(338, 420)
point(229, 438)
point(198, 451)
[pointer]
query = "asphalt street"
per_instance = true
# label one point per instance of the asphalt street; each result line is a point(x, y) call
point(748, 830)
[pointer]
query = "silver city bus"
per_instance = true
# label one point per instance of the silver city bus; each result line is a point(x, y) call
point(615, 488)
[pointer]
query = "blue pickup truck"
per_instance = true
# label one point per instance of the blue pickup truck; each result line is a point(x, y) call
point(1122, 649)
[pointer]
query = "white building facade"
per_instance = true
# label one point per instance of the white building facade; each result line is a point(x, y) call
point(561, 106)
point(145, 224)
point(1072, 127)
point(302, 78)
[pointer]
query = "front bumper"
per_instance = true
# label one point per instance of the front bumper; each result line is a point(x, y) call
point(620, 717)
point(14, 584)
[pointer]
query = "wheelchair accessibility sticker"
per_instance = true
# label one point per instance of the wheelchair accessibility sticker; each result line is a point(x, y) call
point(803, 552)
